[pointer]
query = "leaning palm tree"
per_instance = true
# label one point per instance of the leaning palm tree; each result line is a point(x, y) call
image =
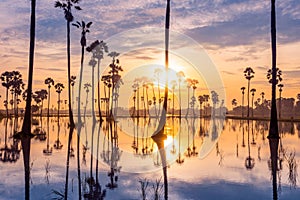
point(67, 5)
point(84, 29)
point(49, 81)
point(249, 74)
point(253, 90)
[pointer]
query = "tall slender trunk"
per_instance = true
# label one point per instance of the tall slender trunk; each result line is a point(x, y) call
point(179, 99)
point(48, 112)
point(79, 87)
point(78, 162)
point(248, 99)
point(7, 103)
point(188, 108)
point(243, 105)
point(160, 136)
point(273, 131)
point(26, 128)
point(93, 94)
point(98, 81)
point(71, 120)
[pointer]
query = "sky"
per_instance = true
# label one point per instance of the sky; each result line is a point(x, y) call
point(234, 34)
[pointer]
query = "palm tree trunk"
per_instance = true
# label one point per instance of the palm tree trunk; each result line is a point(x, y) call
point(248, 99)
point(48, 112)
point(78, 162)
point(26, 128)
point(6, 103)
point(93, 95)
point(79, 89)
point(69, 73)
point(98, 80)
point(273, 131)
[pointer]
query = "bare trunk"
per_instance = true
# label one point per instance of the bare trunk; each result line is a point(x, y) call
point(273, 131)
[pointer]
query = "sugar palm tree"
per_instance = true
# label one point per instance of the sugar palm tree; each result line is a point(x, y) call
point(253, 90)
point(66, 6)
point(98, 53)
point(280, 86)
point(233, 103)
point(42, 94)
point(201, 101)
point(84, 29)
point(58, 88)
point(73, 78)
point(206, 98)
point(6, 82)
point(243, 95)
point(249, 74)
point(49, 81)
point(194, 83)
point(116, 80)
point(215, 100)
point(180, 76)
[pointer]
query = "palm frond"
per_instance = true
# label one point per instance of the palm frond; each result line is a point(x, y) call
point(89, 24)
point(76, 25)
point(57, 4)
point(77, 8)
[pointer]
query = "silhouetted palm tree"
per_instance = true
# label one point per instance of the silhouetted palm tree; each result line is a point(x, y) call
point(67, 8)
point(98, 53)
point(233, 103)
point(73, 78)
point(206, 98)
point(49, 81)
point(42, 94)
point(253, 90)
point(215, 100)
point(58, 87)
point(6, 82)
point(201, 101)
point(116, 81)
point(249, 74)
point(194, 83)
point(84, 29)
point(86, 86)
point(280, 86)
point(262, 97)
